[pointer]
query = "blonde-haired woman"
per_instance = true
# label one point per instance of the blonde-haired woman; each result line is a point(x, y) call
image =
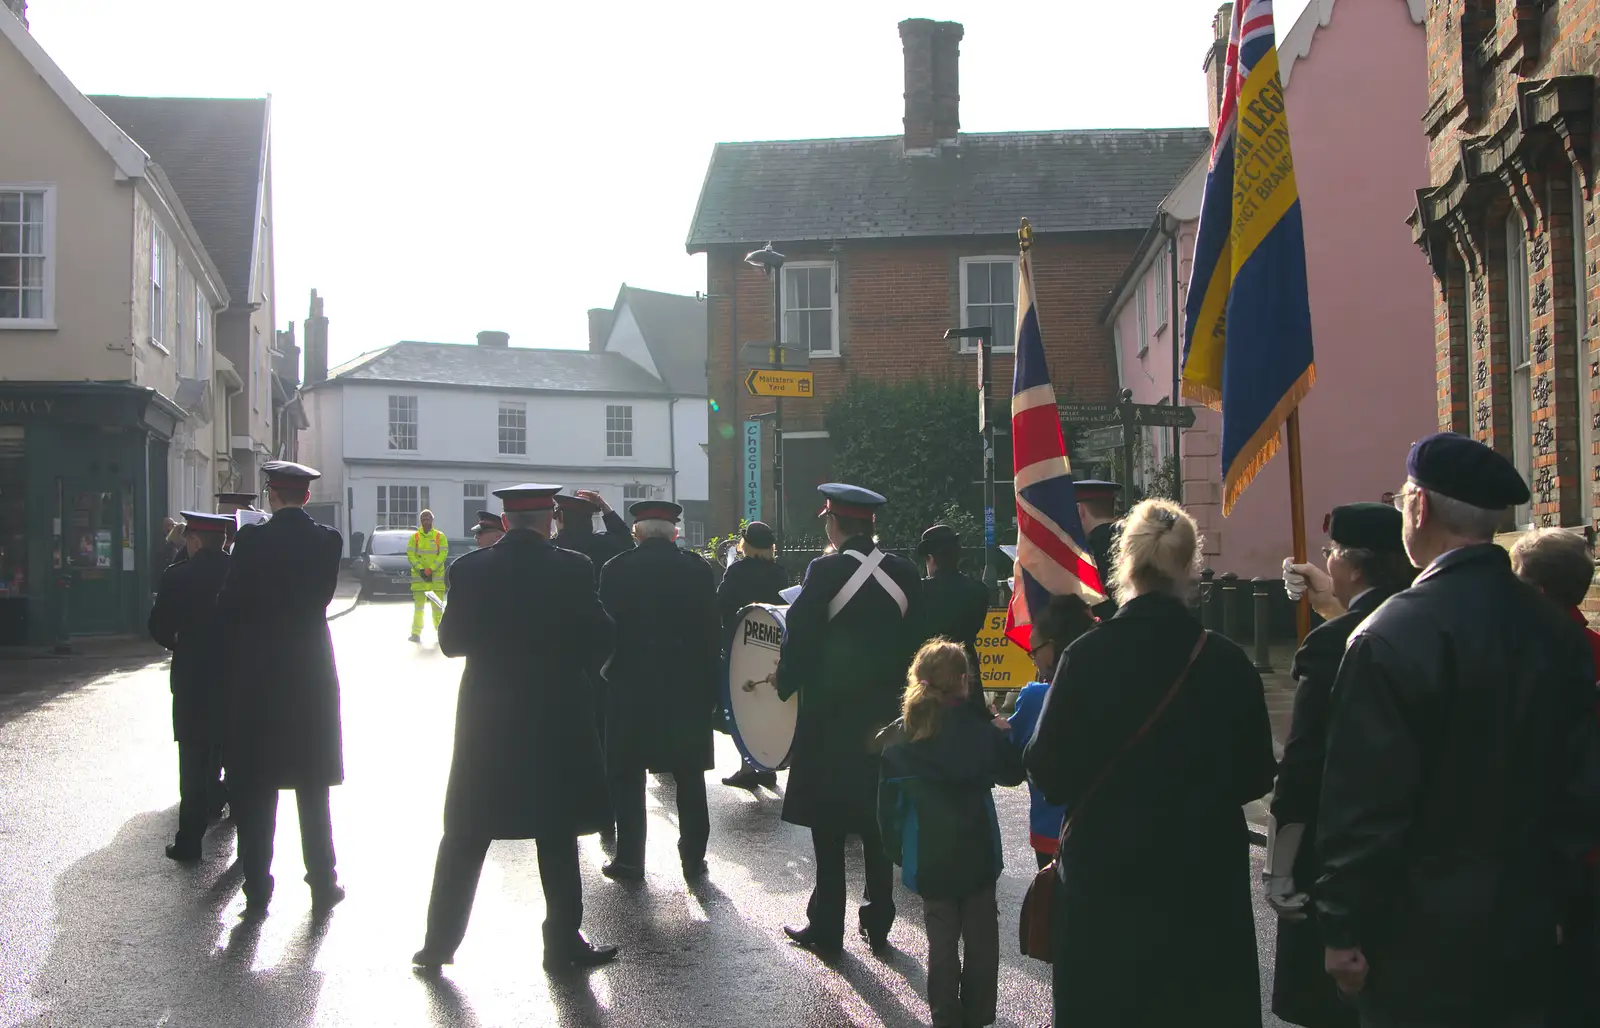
point(1154, 735)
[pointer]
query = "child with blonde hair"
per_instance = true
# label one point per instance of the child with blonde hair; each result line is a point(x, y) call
point(941, 763)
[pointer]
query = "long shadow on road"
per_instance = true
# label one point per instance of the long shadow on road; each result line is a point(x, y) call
point(141, 941)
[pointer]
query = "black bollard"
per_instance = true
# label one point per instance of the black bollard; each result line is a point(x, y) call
point(1263, 622)
point(1231, 626)
point(1202, 594)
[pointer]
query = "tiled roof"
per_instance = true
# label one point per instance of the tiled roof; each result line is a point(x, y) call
point(211, 150)
point(674, 328)
point(824, 189)
point(513, 368)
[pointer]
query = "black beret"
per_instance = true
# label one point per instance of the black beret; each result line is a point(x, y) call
point(1367, 526)
point(1464, 469)
point(759, 534)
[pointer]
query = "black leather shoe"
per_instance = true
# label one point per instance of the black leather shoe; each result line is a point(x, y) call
point(748, 777)
point(879, 943)
point(806, 939)
point(324, 900)
point(617, 871)
point(582, 953)
point(431, 960)
point(254, 910)
point(183, 854)
point(694, 870)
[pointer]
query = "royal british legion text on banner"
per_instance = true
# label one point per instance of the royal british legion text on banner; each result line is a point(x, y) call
point(1247, 332)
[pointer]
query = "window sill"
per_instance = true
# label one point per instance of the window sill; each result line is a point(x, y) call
point(27, 325)
point(968, 351)
point(158, 346)
point(1142, 352)
point(818, 355)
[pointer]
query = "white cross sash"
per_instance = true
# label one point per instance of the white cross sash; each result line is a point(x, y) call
point(869, 569)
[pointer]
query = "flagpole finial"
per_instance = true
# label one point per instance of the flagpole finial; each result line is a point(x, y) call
point(1025, 236)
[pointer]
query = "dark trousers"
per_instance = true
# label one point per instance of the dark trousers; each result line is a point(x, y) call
point(199, 789)
point(694, 820)
point(455, 884)
point(256, 811)
point(825, 911)
point(962, 992)
point(1517, 1021)
point(1043, 859)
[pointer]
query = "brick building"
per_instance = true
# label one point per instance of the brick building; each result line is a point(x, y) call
point(892, 240)
point(1508, 224)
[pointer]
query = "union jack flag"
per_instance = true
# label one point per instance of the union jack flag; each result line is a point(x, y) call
point(1053, 555)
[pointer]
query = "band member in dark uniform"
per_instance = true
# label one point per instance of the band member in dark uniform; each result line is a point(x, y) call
point(1366, 565)
point(527, 762)
point(1097, 509)
point(284, 725)
point(184, 620)
point(954, 605)
point(851, 634)
point(575, 521)
point(756, 577)
point(488, 530)
point(662, 684)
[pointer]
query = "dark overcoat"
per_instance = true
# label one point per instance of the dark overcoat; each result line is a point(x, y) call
point(1302, 991)
point(1102, 546)
point(955, 606)
point(850, 673)
point(184, 620)
point(1459, 792)
point(527, 760)
point(284, 723)
point(661, 685)
point(749, 580)
point(599, 547)
point(1153, 924)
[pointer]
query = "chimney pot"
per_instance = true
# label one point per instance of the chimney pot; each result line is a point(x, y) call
point(932, 96)
point(20, 9)
point(497, 339)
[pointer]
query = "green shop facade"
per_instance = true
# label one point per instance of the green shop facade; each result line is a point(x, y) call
point(83, 491)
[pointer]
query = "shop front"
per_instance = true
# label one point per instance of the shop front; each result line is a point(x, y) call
point(83, 490)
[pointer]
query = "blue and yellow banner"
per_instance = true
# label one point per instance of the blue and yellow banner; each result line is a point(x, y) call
point(1247, 331)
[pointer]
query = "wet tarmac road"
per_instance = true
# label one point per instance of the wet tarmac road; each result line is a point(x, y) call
point(98, 928)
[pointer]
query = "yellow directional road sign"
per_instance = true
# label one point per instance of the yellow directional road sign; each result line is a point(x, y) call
point(779, 383)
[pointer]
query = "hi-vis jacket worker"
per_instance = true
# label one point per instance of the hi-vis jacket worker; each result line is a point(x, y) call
point(426, 552)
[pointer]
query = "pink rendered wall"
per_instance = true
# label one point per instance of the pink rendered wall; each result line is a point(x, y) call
point(1354, 106)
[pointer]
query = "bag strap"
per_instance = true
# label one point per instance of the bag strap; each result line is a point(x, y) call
point(1149, 722)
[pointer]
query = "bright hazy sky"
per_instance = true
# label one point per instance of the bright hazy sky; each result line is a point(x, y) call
point(445, 167)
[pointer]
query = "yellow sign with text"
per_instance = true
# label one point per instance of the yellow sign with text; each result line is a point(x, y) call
point(779, 383)
point(1004, 664)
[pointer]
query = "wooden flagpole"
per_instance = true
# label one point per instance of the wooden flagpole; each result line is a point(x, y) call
point(1297, 511)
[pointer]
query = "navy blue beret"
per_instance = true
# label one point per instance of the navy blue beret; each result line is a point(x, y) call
point(1466, 470)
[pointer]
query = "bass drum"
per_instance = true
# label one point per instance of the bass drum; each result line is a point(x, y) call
point(762, 725)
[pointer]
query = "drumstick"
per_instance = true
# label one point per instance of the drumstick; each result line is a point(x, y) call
point(751, 685)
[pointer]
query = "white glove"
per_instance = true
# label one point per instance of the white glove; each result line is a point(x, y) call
point(1294, 583)
point(1281, 894)
point(1312, 582)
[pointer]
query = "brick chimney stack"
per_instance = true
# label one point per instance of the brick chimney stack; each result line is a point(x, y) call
point(600, 319)
point(500, 340)
point(20, 9)
point(933, 96)
point(316, 335)
point(1216, 61)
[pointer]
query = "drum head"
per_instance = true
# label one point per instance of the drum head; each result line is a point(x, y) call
point(762, 725)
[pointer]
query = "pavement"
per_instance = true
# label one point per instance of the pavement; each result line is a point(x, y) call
point(98, 928)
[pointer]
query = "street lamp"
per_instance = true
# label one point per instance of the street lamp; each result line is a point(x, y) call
point(770, 262)
point(985, 337)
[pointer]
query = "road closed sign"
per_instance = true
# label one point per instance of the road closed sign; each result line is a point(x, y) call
point(1005, 665)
